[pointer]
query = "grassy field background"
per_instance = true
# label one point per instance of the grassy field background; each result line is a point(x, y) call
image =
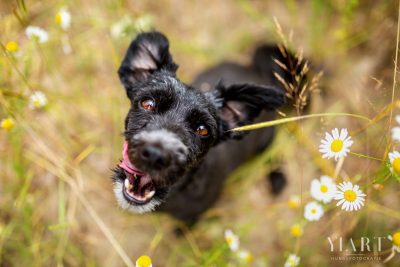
point(56, 202)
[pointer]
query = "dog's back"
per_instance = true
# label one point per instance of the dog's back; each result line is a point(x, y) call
point(260, 71)
point(207, 182)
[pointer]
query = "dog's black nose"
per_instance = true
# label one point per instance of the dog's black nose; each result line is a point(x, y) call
point(154, 156)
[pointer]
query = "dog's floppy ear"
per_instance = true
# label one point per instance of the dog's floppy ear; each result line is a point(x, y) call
point(148, 52)
point(240, 104)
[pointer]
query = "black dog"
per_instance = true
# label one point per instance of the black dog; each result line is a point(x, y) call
point(178, 148)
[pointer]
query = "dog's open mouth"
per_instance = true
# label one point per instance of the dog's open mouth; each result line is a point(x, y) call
point(138, 188)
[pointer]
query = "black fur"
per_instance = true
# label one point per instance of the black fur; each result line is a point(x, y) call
point(197, 165)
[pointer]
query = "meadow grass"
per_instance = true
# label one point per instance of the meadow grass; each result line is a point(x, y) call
point(56, 155)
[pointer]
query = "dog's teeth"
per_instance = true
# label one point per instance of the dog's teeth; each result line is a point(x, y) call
point(150, 194)
point(128, 184)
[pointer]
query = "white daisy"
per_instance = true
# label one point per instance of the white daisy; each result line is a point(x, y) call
point(395, 238)
point(232, 240)
point(37, 100)
point(66, 46)
point(350, 196)
point(144, 23)
point(123, 27)
point(143, 261)
point(396, 130)
point(336, 144)
point(313, 211)
point(63, 18)
point(396, 134)
point(323, 189)
point(37, 33)
point(292, 261)
point(394, 158)
point(245, 256)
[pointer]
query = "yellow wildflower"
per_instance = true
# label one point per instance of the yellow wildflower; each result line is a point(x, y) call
point(296, 230)
point(294, 202)
point(143, 261)
point(12, 47)
point(7, 124)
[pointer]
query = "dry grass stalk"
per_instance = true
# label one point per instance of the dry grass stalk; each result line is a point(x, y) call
point(300, 85)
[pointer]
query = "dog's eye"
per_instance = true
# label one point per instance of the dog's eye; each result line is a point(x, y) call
point(202, 130)
point(148, 104)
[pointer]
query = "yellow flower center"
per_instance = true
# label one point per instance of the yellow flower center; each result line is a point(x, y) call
point(249, 258)
point(296, 230)
point(229, 240)
point(324, 188)
point(246, 256)
point(337, 145)
point(294, 203)
point(396, 239)
point(12, 47)
point(143, 261)
point(350, 195)
point(37, 102)
point(396, 165)
point(7, 124)
point(313, 211)
point(58, 19)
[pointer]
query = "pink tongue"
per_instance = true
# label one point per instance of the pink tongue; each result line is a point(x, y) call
point(126, 163)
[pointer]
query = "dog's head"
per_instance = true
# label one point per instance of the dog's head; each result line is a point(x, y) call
point(170, 125)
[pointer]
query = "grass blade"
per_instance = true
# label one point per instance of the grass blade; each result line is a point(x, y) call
point(286, 120)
